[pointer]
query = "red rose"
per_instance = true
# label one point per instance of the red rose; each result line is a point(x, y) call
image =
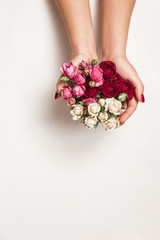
point(110, 89)
point(127, 87)
point(108, 68)
point(91, 92)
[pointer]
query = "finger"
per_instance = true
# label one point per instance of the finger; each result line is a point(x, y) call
point(139, 87)
point(132, 105)
point(59, 87)
point(124, 104)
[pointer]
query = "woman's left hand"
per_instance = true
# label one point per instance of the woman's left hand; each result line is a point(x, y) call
point(128, 72)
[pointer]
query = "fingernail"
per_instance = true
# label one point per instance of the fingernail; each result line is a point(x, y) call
point(56, 95)
point(142, 98)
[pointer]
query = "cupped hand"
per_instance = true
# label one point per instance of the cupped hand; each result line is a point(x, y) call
point(128, 72)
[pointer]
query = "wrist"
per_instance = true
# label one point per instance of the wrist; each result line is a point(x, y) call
point(88, 52)
point(111, 56)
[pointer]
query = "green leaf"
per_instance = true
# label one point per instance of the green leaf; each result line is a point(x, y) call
point(98, 95)
point(64, 79)
point(59, 92)
point(94, 62)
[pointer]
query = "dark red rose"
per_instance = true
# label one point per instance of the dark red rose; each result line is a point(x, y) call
point(109, 89)
point(108, 68)
point(127, 87)
point(91, 92)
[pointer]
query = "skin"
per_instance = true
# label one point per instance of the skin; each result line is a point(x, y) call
point(116, 16)
point(80, 30)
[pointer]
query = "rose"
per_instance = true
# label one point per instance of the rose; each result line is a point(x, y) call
point(79, 79)
point(102, 102)
point(67, 92)
point(93, 109)
point(113, 106)
point(77, 111)
point(89, 67)
point(82, 73)
point(97, 84)
point(110, 124)
point(126, 86)
point(103, 116)
point(78, 90)
point(90, 121)
point(96, 73)
point(108, 68)
point(69, 70)
point(83, 64)
point(109, 89)
point(88, 100)
point(71, 101)
point(87, 70)
point(91, 92)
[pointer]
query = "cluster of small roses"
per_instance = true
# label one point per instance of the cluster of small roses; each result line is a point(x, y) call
point(95, 93)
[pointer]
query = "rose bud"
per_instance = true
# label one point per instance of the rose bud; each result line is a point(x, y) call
point(86, 72)
point(64, 79)
point(92, 83)
point(94, 62)
point(83, 64)
point(71, 101)
point(122, 97)
point(102, 102)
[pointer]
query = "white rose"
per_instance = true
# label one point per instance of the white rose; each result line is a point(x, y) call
point(93, 109)
point(101, 102)
point(113, 106)
point(90, 121)
point(77, 111)
point(110, 124)
point(103, 117)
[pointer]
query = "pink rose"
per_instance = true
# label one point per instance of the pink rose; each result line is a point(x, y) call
point(96, 73)
point(79, 79)
point(71, 101)
point(69, 70)
point(89, 67)
point(87, 100)
point(83, 64)
point(67, 92)
point(97, 84)
point(78, 90)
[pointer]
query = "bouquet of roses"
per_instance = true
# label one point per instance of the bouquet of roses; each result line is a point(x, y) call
point(95, 93)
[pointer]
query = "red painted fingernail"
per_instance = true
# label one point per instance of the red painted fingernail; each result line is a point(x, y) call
point(142, 98)
point(56, 95)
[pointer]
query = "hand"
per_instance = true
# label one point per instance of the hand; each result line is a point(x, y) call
point(128, 72)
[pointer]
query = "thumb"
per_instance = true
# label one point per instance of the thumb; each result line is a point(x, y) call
point(59, 87)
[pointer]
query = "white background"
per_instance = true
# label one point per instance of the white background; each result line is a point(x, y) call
point(58, 180)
